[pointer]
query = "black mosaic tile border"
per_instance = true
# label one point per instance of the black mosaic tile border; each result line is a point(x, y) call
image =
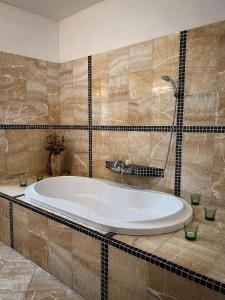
point(90, 172)
point(145, 128)
point(11, 227)
point(104, 265)
point(107, 239)
point(133, 128)
point(41, 127)
point(204, 129)
point(180, 113)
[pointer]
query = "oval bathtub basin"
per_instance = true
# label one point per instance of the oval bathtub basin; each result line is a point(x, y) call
point(111, 206)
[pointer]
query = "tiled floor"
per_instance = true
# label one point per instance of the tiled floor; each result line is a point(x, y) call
point(20, 279)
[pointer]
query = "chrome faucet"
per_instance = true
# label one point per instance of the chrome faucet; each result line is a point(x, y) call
point(121, 167)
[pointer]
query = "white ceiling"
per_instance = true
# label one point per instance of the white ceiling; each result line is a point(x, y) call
point(53, 9)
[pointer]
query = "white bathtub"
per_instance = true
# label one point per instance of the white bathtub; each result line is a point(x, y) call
point(111, 206)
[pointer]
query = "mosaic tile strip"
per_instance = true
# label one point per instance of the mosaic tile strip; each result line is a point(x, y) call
point(180, 113)
point(41, 127)
point(90, 173)
point(11, 230)
point(189, 129)
point(204, 129)
point(104, 266)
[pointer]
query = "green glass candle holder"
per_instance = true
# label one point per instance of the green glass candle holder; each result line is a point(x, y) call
point(195, 199)
point(191, 231)
point(23, 181)
point(40, 177)
point(210, 213)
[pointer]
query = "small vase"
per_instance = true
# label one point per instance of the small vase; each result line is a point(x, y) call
point(56, 164)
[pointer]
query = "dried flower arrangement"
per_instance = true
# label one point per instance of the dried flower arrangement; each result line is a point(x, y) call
point(54, 143)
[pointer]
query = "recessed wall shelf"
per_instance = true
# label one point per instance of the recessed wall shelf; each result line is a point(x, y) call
point(135, 170)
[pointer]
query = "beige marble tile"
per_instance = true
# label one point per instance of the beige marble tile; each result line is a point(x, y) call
point(200, 83)
point(198, 149)
point(66, 94)
point(119, 61)
point(221, 74)
point(60, 263)
point(79, 164)
point(140, 85)
point(100, 90)
point(165, 49)
point(218, 178)
point(100, 65)
point(80, 69)
point(36, 70)
point(36, 91)
point(80, 113)
point(86, 265)
point(22, 239)
point(200, 109)
point(16, 275)
point(38, 250)
point(220, 115)
point(101, 113)
point(203, 41)
point(118, 112)
point(118, 88)
point(141, 56)
point(60, 234)
point(13, 89)
point(76, 140)
point(4, 208)
point(4, 230)
point(13, 66)
point(80, 91)
point(66, 73)
point(38, 224)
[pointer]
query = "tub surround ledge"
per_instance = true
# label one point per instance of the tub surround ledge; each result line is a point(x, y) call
point(197, 262)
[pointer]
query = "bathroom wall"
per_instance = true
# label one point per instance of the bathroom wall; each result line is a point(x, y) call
point(29, 34)
point(127, 91)
point(29, 95)
point(112, 24)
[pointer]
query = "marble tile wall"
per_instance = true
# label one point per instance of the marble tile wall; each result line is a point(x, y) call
point(4, 221)
point(70, 256)
point(29, 94)
point(203, 154)
point(22, 153)
point(29, 90)
point(131, 278)
point(126, 90)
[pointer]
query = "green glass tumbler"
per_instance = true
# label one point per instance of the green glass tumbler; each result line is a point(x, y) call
point(195, 199)
point(191, 232)
point(210, 213)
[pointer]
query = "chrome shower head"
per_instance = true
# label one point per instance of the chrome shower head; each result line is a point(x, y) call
point(168, 78)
